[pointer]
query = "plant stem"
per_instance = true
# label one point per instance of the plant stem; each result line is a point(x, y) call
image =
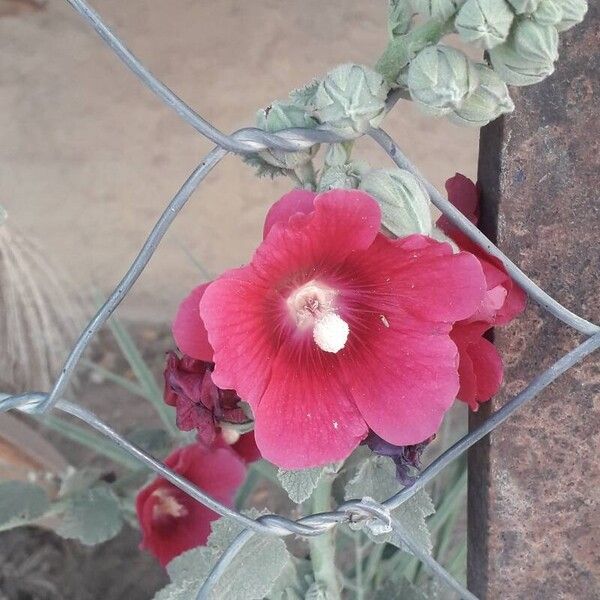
point(322, 547)
point(358, 559)
point(402, 49)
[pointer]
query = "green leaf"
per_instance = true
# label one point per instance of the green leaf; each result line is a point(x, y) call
point(78, 480)
point(376, 479)
point(300, 485)
point(251, 574)
point(91, 516)
point(399, 588)
point(293, 581)
point(20, 503)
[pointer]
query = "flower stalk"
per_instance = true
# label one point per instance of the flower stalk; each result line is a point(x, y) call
point(322, 547)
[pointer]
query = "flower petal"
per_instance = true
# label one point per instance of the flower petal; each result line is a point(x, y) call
point(188, 329)
point(296, 201)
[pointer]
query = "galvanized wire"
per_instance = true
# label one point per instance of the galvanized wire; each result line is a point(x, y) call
point(250, 140)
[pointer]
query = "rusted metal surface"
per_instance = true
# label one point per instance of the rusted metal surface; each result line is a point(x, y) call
point(534, 497)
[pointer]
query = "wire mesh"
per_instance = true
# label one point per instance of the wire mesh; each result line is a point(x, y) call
point(248, 141)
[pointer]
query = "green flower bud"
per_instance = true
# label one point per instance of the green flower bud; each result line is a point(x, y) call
point(284, 115)
point(573, 12)
point(338, 154)
point(528, 55)
point(524, 6)
point(351, 99)
point(347, 176)
point(440, 78)
point(490, 100)
point(403, 200)
point(437, 9)
point(548, 12)
point(486, 22)
point(399, 17)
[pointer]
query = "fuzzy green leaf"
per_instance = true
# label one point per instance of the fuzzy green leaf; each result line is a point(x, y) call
point(300, 485)
point(91, 516)
point(20, 503)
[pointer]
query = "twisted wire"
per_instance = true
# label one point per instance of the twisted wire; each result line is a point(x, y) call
point(251, 140)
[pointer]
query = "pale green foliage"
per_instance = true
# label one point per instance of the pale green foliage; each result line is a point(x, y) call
point(300, 484)
point(251, 574)
point(21, 502)
point(91, 516)
point(528, 55)
point(403, 200)
point(437, 9)
point(572, 13)
point(490, 100)
point(376, 479)
point(350, 99)
point(441, 78)
point(485, 22)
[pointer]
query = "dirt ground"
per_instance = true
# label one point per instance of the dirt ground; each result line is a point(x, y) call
point(89, 157)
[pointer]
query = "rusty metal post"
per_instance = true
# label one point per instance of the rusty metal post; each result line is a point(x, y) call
point(534, 485)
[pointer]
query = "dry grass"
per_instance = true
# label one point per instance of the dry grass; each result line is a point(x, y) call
point(41, 313)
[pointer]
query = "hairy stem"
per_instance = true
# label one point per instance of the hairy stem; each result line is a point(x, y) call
point(322, 547)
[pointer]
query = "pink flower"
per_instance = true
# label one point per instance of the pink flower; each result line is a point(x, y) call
point(333, 329)
point(173, 522)
point(199, 403)
point(480, 366)
point(504, 299)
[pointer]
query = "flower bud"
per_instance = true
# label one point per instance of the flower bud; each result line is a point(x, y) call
point(486, 22)
point(284, 115)
point(346, 176)
point(440, 78)
point(338, 154)
point(350, 99)
point(528, 55)
point(548, 12)
point(490, 100)
point(437, 9)
point(524, 6)
point(573, 12)
point(404, 202)
point(399, 17)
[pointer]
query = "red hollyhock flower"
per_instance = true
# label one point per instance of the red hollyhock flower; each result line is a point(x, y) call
point(171, 521)
point(333, 329)
point(199, 403)
point(504, 299)
point(480, 366)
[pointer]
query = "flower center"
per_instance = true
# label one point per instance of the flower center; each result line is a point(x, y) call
point(167, 505)
point(312, 305)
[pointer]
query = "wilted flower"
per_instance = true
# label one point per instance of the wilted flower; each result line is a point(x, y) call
point(406, 458)
point(199, 403)
point(334, 329)
point(173, 522)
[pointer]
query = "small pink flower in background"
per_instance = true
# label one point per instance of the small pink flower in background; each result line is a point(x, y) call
point(333, 329)
point(480, 366)
point(173, 522)
point(199, 403)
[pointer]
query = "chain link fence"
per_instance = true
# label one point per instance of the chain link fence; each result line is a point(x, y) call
point(249, 141)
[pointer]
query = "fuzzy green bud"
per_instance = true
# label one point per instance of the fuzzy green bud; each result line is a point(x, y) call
point(285, 115)
point(524, 6)
point(338, 154)
point(490, 100)
point(486, 22)
point(440, 78)
point(403, 200)
point(350, 100)
point(573, 12)
point(528, 55)
point(399, 17)
point(346, 176)
point(548, 12)
point(437, 9)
